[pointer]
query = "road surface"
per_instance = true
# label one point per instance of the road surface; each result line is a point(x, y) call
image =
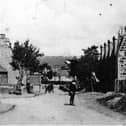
point(53, 109)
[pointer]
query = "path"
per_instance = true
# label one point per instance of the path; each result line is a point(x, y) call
point(50, 109)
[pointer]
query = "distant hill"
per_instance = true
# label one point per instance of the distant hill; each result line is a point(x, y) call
point(54, 61)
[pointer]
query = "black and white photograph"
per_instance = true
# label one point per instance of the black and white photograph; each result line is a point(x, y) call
point(63, 62)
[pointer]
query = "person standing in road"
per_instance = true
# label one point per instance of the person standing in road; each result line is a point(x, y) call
point(28, 86)
point(72, 90)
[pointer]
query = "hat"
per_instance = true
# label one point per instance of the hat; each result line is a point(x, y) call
point(73, 82)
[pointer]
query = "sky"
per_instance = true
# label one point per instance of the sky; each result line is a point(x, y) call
point(62, 27)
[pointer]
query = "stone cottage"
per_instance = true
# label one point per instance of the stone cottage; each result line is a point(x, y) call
point(5, 59)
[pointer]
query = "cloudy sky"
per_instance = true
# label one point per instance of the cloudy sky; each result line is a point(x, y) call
point(62, 27)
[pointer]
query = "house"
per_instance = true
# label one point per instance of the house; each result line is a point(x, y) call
point(3, 75)
point(5, 59)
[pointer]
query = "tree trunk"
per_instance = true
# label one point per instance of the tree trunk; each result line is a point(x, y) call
point(21, 75)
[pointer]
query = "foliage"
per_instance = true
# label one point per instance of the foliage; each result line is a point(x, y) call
point(25, 57)
point(73, 66)
point(46, 70)
point(106, 72)
point(83, 67)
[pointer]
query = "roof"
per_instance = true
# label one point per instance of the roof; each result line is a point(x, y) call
point(2, 69)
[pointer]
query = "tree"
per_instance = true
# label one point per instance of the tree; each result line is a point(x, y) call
point(72, 66)
point(46, 70)
point(25, 58)
point(90, 57)
point(87, 65)
point(107, 71)
point(83, 67)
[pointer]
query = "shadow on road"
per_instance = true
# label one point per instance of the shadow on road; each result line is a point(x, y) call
point(69, 104)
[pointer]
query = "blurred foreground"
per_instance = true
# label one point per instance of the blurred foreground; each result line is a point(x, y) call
point(54, 109)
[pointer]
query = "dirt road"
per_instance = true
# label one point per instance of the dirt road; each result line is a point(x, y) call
point(50, 109)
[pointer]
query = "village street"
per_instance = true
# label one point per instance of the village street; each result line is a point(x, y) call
point(53, 109)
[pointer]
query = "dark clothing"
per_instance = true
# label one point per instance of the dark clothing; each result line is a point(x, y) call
point(72, 88)
point(72, 93)
point(72, 99)
point(49, 89)
point(29, 87)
